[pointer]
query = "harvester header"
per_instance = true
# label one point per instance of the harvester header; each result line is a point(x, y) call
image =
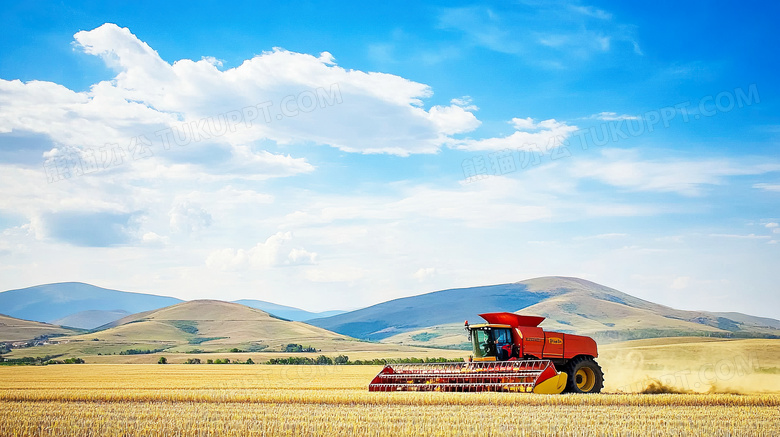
point(509, 353)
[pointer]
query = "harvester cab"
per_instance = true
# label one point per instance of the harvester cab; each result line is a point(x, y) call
point(509, 353)
point(492, 342)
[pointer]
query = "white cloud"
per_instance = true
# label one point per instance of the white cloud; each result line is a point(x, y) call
point(591, 11)
point(275, 251)
point(768, 187)
point(465, 102)
point(263, 165)
point(613, 116)
point(301, 256)
point(680, 283)
point(190, 121)
point(26, 191)
point(90, 119)
point(625, 169)
point(187, 218)
point(309, 99)
point(529, 134)
point(491, 202)
point(425, 273)
point(453, 119)
point(741, 237)
point(153, 239)
point(771, 225)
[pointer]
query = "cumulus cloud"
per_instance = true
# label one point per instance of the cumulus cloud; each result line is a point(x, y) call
point(190, 120)
point(276, 251)
point(187, 218)
point(296, 97)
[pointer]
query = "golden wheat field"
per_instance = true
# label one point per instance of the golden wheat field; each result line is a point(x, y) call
point(260, 400)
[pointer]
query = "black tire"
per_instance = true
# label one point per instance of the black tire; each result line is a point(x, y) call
point(584, 376)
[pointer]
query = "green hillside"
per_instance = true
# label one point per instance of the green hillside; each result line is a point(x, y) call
point(209, 325)
point(195, 326)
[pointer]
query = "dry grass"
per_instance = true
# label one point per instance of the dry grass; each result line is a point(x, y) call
point(12, 329)
point(686, 364)
point(217, 400)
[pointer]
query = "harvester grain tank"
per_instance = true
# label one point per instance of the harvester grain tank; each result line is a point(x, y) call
point(510, 353)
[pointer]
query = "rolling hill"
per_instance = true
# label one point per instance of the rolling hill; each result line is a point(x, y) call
point(13, 329)
point(53, 302)
point(433, 319)
point(86, 306)
point(199, 325)
point(570, 305)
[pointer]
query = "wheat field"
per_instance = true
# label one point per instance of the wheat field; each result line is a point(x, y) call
point(261, 400)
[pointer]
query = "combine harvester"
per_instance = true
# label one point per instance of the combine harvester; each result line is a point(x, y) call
point(511, 353)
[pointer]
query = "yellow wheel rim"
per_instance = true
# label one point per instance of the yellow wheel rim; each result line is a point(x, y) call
point(585, 379)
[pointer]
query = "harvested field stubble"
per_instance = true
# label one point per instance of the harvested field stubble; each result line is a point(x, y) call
point(285, 400)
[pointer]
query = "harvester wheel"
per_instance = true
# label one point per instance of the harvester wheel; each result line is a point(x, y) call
point(585, 376)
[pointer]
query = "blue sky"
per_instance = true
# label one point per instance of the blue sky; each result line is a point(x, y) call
point(327, 156)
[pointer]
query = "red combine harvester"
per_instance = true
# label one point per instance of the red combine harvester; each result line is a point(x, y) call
point(510, 353)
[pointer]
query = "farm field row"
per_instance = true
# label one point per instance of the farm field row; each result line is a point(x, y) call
point(211, 400)
point(151, 418)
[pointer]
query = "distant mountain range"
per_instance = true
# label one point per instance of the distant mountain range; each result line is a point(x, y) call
point(569, 304)
point(76, 304)
point(86, 306)
point(285, 312)
point(196, 326)
point(432, 319)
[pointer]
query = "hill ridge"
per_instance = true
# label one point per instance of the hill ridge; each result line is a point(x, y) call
point(13, 329)
point(569, 304)
point(57, 300)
